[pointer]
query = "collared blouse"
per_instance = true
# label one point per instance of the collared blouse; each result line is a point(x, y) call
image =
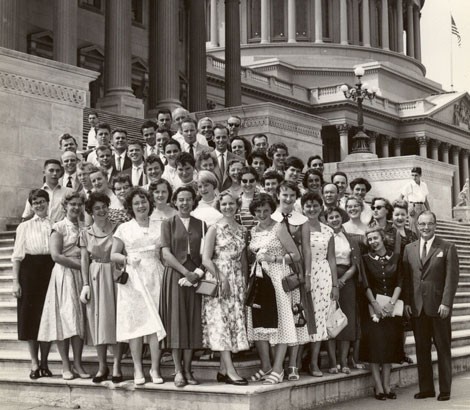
point(32, 237)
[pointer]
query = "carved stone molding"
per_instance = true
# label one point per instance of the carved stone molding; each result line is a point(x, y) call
point(281, 124)
point(445, 146)
point(343, 128)
point(422, 140)
point(435, 144)
point(393, 174)
point(385, 138)
point(42, 89)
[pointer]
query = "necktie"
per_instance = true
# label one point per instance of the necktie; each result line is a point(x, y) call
point(424, 253)
point(119, 164)
point(222, 166)
point(191, 150)
point(285, 219)
point(152, 150)
point(69, 183)
point(88, 193)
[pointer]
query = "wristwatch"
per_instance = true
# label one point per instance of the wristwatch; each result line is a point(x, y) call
point(392, 303)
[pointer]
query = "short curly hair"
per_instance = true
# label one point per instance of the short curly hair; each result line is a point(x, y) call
point(184, 189)
point(223, 194)
point(153, 187)
point(142, 193)
point(93, 199)
point(261, 200)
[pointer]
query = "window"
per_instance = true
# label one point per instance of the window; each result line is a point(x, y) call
point(94, 5)
point(326, 14)
point(302, 13)
point(254, 21)
point(278, 20)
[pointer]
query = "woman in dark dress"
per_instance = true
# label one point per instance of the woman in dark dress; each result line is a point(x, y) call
point(382, 334)
point(382, 211)
point(180, 306)
point(32, 267)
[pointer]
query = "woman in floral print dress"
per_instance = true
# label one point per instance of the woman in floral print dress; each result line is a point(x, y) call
point(223, 316)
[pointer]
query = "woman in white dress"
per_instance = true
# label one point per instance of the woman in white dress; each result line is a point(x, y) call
point(323, 278)
point(135, 246)
point(63, 316)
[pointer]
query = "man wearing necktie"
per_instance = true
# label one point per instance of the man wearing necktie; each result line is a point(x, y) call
point(69, 162)
point(136, 154)
point(149, 130)
point(119, 143)
point(431, 276)
point(190, 143)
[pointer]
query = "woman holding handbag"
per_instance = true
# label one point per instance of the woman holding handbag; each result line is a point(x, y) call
point(180, 307)
point(274, 250)
point(223, 315)
point(382, 334)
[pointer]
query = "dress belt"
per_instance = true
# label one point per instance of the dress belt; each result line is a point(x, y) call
point(417, 203)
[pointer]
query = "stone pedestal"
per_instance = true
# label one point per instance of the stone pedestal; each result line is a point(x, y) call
point(122, 104)
point(40, 99)
point(461, 213)
point(388, 176)
point(301, 132)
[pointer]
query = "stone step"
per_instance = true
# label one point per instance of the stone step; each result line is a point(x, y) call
point(461, 309)
point(6, 251)
point(4, 243)
point(8, 324)
point(307, 393)
point(5, 266)
point(7, 234)
point(460, 322)
point(464, 278)
point(459, 338)
point(6, 295)
point(462, 297)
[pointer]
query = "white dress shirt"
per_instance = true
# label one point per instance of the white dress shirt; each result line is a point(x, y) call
point(413, 192)
point(137, 173)
point(92, 142)
point(428, 245)
point(199, 138)
point(72, 178)
point(32, 237)
point(56, 210)
point(119, 160)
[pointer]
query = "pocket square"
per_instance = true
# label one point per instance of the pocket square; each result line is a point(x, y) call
point(440, 254)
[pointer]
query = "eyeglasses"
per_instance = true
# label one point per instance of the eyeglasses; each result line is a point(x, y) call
point(424, 225)
point(231, 124)
point(378, 207)
point(248, 181)
point(38, 203)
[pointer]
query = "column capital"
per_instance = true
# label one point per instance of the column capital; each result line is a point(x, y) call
point(385, 138)
point(373, 135)
point(436, 143)
point(397, 142)
point(445, 146)
point(343, 128)
point(422, 140)
point(456, 149)
point(465, 152)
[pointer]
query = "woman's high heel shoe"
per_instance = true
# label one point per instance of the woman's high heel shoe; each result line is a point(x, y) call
point(102, 377)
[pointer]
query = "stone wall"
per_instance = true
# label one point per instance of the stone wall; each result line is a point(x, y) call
point(39, 100)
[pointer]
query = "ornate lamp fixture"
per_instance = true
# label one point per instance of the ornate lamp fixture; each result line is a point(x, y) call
point(358, 93)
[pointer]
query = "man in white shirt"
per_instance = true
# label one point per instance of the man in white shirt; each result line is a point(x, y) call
point(119, 143)
point(93, 120)
point(103, 136)
point(260, 143)
point(190, 143)
point(68, 143)
point(106, 160)
point(179, 114)
point(340, 179)
point(233, 124)
point(205, 128)
point(52, 172)
point(171, 148)
point(83, 176)
point(135, 151)
point(69, 179)
point(162, 136)
point(148, 131)
point(416, 194)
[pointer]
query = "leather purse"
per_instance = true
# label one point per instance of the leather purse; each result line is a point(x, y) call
point(122, 278)
point(336, 320)
point(208, 287)
point(294, 279)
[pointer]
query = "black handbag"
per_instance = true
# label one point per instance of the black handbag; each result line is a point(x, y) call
point(294, 279)
point(122, 278)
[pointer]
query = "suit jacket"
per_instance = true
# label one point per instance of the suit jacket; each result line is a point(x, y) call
point(175, 236)
point(127, 163)
point(142, 179)
point(224, 183)
point(433, 282)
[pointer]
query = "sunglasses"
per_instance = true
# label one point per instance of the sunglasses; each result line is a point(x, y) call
point(248, 181)
point(378, 207)
point(231, 124)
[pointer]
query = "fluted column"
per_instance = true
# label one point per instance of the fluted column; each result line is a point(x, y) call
point(400, 26)
point(197, 56)
point(423, 146)
point(9, 24)
point(265, 22)
point(385, 39)
point(65, 31)
point(343, 21)
point(445, 146)
point(373, 142)
point(456, 182)
point(465, 175)
point(343, 131)
point(233, 96)
point(318, 22)
point(417, 33)
point(397, 147)
point(385, 146)
point(365, 24)
point(435, 149)
point(118, 69)
point(214, 25)
point(291, 24)
point(163, 56)
point(410, 38)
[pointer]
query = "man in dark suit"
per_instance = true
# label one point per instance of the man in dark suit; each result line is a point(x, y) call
point(121, 161)
point(222, 156)
point(431, 269)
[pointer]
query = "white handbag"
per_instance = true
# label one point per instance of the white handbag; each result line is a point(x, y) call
point(336, 320)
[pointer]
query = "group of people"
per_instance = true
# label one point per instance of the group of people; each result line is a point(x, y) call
point(117, 245)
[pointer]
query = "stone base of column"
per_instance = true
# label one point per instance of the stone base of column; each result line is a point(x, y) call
point(361, 156)
point(169, 104)
point(122, 104)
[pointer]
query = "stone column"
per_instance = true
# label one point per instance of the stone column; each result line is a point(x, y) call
point(435, 149)
point(385, 139)
point(385, 39)
point(410, 38)
point(163, 56)
point(343, 131)
point(291, 26)
point(423, 146)
point(233, 95)
point(318, 22)
point(197, 56)
point(343, 13)
point(365, 24)
point(465, 175)
point(9, 24)
point(417, 33)
point(456, 183)
point(65, 31)
point(265, 20)
point(445, 146)
point(397, 147)
point(400, 26)
point(214, 25)
point(373, 142)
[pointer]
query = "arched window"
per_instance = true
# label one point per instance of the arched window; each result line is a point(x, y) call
point(254, 21)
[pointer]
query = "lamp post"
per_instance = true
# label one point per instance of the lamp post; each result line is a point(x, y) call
point(358, 93)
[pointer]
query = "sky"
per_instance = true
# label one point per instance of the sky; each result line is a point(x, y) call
point(436, 40)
